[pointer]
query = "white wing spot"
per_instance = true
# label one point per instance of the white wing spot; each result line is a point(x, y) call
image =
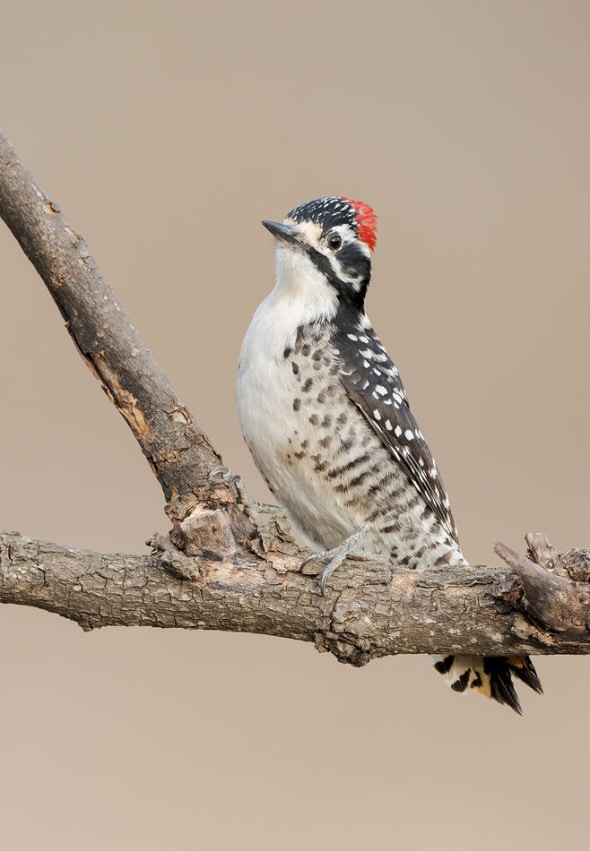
point(381, 390)
point(409, 435)
point(398, 431)
point(353, 337)
point(388, 425)
point(376, 414)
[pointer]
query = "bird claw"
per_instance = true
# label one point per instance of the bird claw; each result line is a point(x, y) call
point(227, 476)
point(336, 556)
point(233, 480)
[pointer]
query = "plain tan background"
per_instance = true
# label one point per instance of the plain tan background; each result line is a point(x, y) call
point(166, 131)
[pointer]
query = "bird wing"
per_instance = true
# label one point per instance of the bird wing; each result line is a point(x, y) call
point(373, 384)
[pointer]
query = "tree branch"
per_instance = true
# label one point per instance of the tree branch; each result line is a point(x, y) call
point(221, 568)
point(371, 610)
point(178, 451)
point(555, 589)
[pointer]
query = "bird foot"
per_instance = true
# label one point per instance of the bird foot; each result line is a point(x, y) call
point(336, 555)
point(234, 480)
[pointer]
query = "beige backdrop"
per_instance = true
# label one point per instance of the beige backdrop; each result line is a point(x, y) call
point(166, 131)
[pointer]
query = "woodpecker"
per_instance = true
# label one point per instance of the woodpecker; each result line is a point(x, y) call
point(325, 415)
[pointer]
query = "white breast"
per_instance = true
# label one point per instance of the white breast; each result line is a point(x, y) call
point(301, 296)
point(284, 442)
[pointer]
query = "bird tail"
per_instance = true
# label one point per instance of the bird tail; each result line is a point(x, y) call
point(489, 675)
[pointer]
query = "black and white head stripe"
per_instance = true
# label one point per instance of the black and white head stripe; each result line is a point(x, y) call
point(333, 211)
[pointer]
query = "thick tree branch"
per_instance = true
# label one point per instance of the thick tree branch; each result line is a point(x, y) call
point(235, 573)
point(371, 610)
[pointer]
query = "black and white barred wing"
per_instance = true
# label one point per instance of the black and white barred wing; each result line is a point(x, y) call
point(373, 384)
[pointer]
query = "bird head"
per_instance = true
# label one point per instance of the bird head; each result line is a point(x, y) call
point(324, 253)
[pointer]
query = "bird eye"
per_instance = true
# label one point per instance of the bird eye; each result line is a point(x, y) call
point(334, 241)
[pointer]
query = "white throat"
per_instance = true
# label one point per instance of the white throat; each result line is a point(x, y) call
point(301, 288)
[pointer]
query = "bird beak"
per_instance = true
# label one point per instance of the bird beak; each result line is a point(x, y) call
point(284, 233)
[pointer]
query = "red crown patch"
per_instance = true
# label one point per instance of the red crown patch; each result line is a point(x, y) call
point(366, 222)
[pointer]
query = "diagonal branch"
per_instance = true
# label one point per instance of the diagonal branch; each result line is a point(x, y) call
point(177, 450)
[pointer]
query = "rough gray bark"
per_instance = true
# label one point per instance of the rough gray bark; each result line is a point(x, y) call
point(177, 450)
point(226, 566)
point(370, 611)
